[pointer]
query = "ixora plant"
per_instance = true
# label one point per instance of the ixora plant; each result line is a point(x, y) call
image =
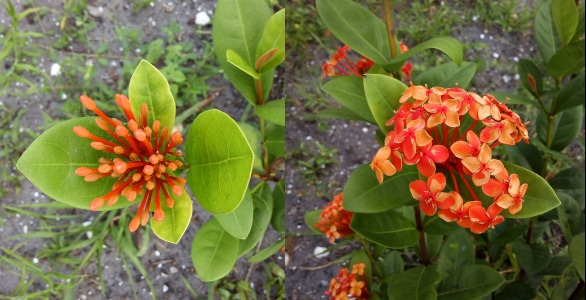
point(485, 225)
point(102, 163)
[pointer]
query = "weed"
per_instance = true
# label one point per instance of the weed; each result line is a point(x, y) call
point(313, 164)
point(302, 25)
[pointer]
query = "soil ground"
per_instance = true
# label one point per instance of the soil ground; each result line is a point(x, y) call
point(308, 277)
point(163, 261)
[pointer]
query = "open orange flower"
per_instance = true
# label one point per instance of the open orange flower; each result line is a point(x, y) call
point(427, 132)
point(335, 220)
point(430, 194)
point(146, 155)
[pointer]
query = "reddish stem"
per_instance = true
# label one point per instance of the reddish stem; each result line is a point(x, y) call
point(345, 72)
point(495, 144)
point(468, 186)
point(455, 182)
point(437, 140)
point(466, 132)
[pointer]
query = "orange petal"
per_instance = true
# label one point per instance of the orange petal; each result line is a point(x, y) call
point(468, 205)
point(419, 92)
point(423, 138)
point(438, 153)
point(493, 188)
point(472, 164)
point(514, 185)
point(379, 175)
point(436, 183)
point(485, 154)
point(406, 95)
point(478, 228)
point(478, 214)
point(495, 166)
point(418, 189)
point(387, 168)
point(473, 139)
point(452, 119)
point(428, 208)
point(426, 167)
point(435, 119)
point(444, 200)
point(480, 178)
point(462, 149)
point(383, 153)
point(447, 215)
point(515, 208)
point(457, 202)
point(523, 190)
point(505, 201)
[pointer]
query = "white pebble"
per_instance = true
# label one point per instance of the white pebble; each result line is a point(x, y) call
point(35, 260)
point(165, 288)
point(482, 35)
point(157, 253)
point(86, 223)
point(36, 194)
point(202, 18)
point(55, 69)
point(173, 270)
point(495, 55)
point(364, 129)
point(318, 252)
point(89, 234)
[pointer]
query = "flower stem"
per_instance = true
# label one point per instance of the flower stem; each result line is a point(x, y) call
point(468, 186)
point(379, 274)
point(259, 98)
point(390, 27)
point(265, 156)
point(422, 245)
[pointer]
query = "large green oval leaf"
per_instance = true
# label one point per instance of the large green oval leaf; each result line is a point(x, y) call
point(214, 251)
point(545, 33)
point(447, 75)
point(576, 252)
point(566, 127)
point(389, 229)
point(539, 199)
point(568, 60)
point(356, 27)
point(382, 95)
point(238, 222)
point(263, 209)
point(417, 284)
point(363, 193)
point(533, 258)
point(449, 45)
point(528, 67)
point(278, 216)
point(51, 160)
point(565, 18)
point(572, 94)
point(470, 282)
point(238, 25)
point(220, 162)
point(272, 111)
point(273, 37)
point(176, 220)
point(149, 86)
point(275, 141)
point(457, 251)
point(349, 91)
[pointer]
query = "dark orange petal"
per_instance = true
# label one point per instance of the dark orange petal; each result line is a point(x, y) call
point(493, 188)
point(428, 208)
point(478, 214)
point(462, 149)
point(418, 189)
point(436, 183)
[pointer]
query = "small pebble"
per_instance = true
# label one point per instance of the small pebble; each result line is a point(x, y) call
point(202, 18)
point(157, 253)
point(165, 288)
point(318, 252)
point(55, 69)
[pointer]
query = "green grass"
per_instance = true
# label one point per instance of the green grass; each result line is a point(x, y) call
point(312, 162)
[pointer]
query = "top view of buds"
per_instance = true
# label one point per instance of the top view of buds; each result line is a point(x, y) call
point(145, 164)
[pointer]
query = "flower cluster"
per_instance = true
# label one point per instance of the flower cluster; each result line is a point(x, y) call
point(335, 220)
point(346, 286)
point(145, 155)
point(340, 65)
point(428, 133)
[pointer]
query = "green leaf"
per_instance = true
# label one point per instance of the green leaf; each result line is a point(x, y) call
point(51, 160)
point(470, 282)
point(581, 23)
point(545, 32)
point(272, 111)
point(389, 229)
point(417, 284)
point(220, 160)
point(356, 27)
point(363, 193)
point(311, 218)
point(572, 94)
point(267, 252)
point(565, 18)
point(176, 220)
point(275, 141)
point(238, 25)
point(447, 75)
point(436, 225)
point(533, 258)
point(515, 99)
point(241, 63)
point(278, 216)
point(238, 222)
point(148, 85)
point(449, 45)
point(539, 199)
point(566, 127)
point(568, 60)
point(253, 137)
point(568, 179)
point(528, 67)
point(382, 95)
point(576, 252)
point(508, 231)
point(393, 263)
point(570, 216)
point(273, 37)
point(263, 209)
point(457, 252)
point(526, 156)
point(360, 257)
point(213, 251)
point(349, 91)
